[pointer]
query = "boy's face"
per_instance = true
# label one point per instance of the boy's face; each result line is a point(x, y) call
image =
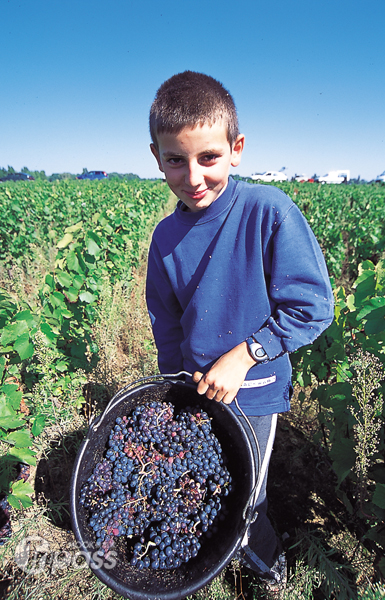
point(196, 162)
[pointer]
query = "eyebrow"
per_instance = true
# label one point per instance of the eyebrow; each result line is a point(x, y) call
point(179, 155)
point(171, 155)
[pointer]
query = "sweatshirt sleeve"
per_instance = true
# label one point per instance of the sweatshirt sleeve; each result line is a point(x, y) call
point(299, 287)
point(165, 313)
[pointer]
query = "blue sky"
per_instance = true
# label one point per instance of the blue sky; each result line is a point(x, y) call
point(78, 78)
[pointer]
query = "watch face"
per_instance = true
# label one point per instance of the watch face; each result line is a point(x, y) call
point(256, 351)
point(260, 353)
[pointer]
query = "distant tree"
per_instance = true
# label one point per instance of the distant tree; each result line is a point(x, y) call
point(357, 180)
point(61, 176)
point(85, 170)
point(39, 175)
point(115, 175)
point(11, 169)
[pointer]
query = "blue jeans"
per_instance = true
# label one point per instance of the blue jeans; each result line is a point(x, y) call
point(262, 539)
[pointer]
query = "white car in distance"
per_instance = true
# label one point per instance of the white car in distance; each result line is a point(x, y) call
point(269, 176)
point(335, 177)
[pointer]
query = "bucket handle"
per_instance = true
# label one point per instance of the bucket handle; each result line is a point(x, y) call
point(247, 511)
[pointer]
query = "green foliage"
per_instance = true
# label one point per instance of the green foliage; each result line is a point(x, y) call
point(218, 589)
point(346, 219)
point(375, 592)
point(110, 248)
point(346, 368)
point(333, 577)
point(302, 581)
point(36, 216)
point(367, 411)
point(17, 328)
point(359, 322)
point(46, 352)
point(56, 389)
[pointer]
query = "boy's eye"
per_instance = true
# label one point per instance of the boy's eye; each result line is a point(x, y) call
point(206, 159)
point(209, 158)
point(175, 160)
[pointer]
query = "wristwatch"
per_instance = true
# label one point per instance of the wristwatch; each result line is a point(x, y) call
point(256, 351)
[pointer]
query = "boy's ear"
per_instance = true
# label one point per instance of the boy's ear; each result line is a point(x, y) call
point(236, 153)
point(156, 154)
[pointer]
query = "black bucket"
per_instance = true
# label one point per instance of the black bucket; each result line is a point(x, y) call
point(215, 552)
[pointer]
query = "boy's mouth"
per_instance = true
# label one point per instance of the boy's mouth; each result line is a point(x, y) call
point(197, 195)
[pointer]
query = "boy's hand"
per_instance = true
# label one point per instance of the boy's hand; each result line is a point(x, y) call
point(226, 375)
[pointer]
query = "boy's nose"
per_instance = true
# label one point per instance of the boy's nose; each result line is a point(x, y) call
point(194, 175)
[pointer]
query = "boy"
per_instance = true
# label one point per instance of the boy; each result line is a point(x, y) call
point(236, 280)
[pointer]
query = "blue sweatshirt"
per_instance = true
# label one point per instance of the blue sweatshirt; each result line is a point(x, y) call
point(247, 264)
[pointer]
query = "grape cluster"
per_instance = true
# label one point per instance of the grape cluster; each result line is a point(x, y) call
point(160, 485)
point(23, 472)
point(5, 520)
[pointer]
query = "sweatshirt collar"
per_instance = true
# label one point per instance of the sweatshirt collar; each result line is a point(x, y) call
point(220, 205)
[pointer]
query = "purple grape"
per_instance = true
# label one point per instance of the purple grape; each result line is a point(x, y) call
point(159, 485)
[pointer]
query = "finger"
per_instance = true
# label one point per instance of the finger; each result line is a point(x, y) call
point(219, 396)
point(227, 399)
point(197, 376)
point(202, 386)
point(212, 394)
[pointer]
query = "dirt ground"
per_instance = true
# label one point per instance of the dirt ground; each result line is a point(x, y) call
point(300, 484)
point(303, 504)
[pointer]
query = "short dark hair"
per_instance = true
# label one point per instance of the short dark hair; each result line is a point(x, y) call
point(190, 99)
